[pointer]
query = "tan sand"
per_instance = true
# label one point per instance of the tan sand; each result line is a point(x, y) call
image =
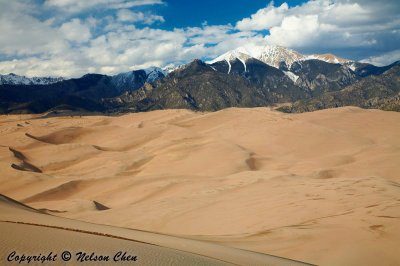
point(29, 232)
point(321, 187)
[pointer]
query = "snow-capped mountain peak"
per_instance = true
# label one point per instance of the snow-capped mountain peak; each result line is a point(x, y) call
point(134, 79)
point(275, 55)
point(13, 79)
point(269, 54)
point(330, 58)
point(240, 54)
point(154, 73)
point(171, 67)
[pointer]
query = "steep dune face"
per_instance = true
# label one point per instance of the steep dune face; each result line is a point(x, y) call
point(320, 187)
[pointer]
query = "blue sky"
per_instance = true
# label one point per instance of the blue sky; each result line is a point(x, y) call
point(71, 37)
point(215, 12)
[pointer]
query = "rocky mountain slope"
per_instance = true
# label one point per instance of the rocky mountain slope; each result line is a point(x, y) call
point(374, 91)
point(204, 87)
point(320, 76)
point(317, 73)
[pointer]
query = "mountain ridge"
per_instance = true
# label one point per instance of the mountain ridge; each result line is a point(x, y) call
point(12, 78)
point(234, 79)
point(275, 55)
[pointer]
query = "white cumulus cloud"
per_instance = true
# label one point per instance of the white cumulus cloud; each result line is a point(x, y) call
point(75, 31)
point(81, 5)
point(327, 23)
point(383, 59)
point(264, 18)
point(125, 15)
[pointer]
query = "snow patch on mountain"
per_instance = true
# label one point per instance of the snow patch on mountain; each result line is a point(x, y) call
point(244, 64)
point(291, 75)
point(230, 66)
point(171, 67)
point(352, 66)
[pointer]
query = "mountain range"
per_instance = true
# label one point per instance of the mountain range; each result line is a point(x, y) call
point(13, 79)
point(267, 76)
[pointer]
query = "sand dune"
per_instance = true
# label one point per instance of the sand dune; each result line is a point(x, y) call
point(28, 231)
point(320, 187)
